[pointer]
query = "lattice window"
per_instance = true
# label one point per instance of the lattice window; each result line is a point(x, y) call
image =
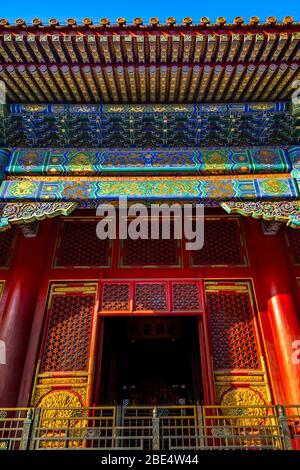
point(185, 296)
point(68, 336)
point(115, 297)
point(293, 237)
point(150, 297)
point(233, 335)
point(223, 244)
point(151, 252)
point(155, 296)
point(6, 246)
point(79, 245)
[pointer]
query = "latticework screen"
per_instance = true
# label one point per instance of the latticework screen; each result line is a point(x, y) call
point(150, 252)
point(223, 244)
point(153, 252)
point(151, 296)
point(68, 335)
point(115, 297)
point(79, 246)
point(186, 296)
point(233, 337)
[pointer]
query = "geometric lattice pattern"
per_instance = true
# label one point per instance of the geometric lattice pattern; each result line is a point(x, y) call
point(185, 296)
point(80, 246)
point(293, 237)
point(115, 297)
point(150, 252)
point(233, 336)
point(157, 295)
point(68, 337)
point(150, 297)
point(222, 244)
point(6, 244)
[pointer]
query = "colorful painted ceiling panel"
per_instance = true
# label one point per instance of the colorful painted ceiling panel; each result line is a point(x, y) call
point(232, 124)
point(204, 161)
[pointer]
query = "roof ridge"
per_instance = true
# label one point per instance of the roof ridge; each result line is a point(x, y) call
point(138, 22)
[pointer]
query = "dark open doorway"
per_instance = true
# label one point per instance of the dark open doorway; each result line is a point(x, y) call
point(150, 360)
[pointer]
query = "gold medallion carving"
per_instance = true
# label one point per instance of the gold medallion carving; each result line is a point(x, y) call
point(248, 406)
point(61, 417)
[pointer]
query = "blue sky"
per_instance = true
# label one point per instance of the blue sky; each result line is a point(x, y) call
point(63, 9)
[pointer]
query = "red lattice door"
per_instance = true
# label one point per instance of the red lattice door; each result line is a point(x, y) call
point(158, 311)
point(239, 367)
point(64, 369)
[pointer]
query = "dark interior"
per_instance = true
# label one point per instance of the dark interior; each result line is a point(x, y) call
point(149, 361)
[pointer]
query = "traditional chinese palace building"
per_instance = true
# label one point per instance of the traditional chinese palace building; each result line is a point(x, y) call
point(142, 343)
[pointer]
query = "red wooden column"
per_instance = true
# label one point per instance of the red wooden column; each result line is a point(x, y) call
point(276, 286)
point(23, 287)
